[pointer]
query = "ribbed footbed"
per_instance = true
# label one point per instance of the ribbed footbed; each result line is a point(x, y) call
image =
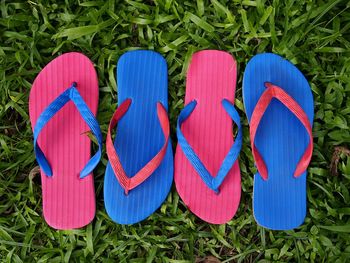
point(142, 77)
point(211, 78)
point(68, 201)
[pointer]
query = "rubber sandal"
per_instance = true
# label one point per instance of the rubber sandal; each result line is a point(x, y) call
point(139, 173)
point(62, 106)
point(207, 174)
point(279, 106)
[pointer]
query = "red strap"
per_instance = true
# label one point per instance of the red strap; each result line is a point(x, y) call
point(271, 92)
point(126, 182)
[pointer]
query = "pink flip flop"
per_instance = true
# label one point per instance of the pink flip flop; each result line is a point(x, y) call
point(207, 174)
point(62, 106)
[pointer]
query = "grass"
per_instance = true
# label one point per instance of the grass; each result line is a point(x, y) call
point(313, 34)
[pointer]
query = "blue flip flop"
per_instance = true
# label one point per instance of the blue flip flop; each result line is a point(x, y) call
point(139, 173)
point(280, 109)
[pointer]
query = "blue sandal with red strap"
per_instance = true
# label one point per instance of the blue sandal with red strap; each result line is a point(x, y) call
point(139, 172)
point(280, 109)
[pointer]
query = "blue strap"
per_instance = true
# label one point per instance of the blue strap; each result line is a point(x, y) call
point(70, 94)
point(212, 182)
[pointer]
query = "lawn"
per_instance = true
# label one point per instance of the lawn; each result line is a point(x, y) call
point(312, 34)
